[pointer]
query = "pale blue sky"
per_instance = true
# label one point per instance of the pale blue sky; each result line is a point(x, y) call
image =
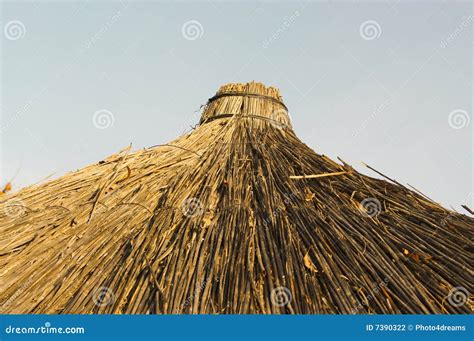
point(382, 95)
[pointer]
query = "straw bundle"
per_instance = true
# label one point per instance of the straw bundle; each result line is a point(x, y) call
point(239, 216)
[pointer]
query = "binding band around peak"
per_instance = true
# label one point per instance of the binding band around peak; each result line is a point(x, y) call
point(246, 94)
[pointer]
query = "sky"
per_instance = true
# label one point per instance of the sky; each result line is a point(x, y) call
point(388, 83)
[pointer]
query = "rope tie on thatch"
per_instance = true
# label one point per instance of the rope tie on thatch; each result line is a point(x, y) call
point(246, 94)
point(221, 116)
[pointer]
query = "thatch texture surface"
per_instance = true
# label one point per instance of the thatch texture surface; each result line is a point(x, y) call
point(213, 223)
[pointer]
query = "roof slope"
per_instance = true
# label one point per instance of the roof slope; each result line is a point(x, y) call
point(213, 223)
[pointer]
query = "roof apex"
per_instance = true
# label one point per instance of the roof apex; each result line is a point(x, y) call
point(251, 100)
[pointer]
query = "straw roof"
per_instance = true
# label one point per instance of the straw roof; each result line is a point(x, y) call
point(238, 216)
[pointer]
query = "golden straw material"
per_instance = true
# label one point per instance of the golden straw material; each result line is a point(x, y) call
point(212, 223)
point(314, 176)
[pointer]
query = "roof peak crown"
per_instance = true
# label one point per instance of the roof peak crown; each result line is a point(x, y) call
point(252, 100)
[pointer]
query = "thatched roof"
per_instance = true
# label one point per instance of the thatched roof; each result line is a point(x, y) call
point(221, 220)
